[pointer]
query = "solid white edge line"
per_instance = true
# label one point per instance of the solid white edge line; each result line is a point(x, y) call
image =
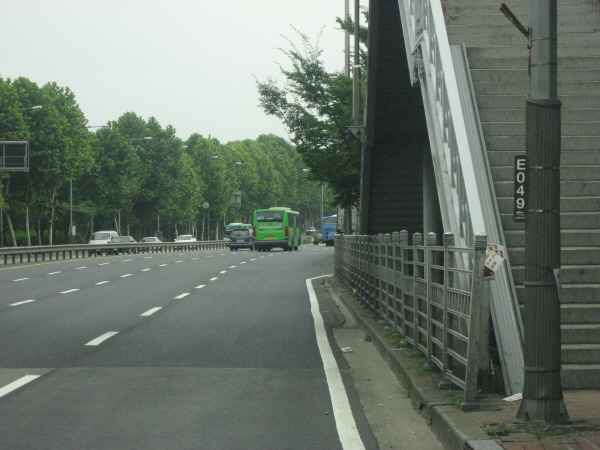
point(344, 419)
point(151, 311)
point(17, 384)
point(102, 338)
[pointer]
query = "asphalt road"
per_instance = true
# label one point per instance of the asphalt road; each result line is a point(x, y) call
point(201, 350)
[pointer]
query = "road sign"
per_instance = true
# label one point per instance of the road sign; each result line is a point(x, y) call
point(520, 195)
point(14, 156)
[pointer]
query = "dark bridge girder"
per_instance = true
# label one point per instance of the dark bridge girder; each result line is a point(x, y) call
point(397, 146)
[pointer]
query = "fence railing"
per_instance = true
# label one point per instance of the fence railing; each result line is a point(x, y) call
point(433, 296)
point(463, 176)
point(20, 255)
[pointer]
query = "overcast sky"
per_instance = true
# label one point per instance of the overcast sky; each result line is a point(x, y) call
point(190, 63)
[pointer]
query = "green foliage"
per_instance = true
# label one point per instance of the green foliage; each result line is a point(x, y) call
point(415, 353)
point(458, 399)
point(316, 108)
point(138, 186)
point(398, 340)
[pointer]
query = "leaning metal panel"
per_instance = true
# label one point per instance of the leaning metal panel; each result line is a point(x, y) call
point(504, 304)
point(464, 185)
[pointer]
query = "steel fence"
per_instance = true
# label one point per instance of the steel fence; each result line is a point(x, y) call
point(433, 296)
point(20, 255)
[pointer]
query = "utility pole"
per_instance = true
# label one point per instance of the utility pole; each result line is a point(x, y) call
point(356, 116)
point(347, 40)
point(356, 112)
point(542, 392)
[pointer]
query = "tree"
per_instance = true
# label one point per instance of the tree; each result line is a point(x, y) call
point(59, 147)
point(316, 108)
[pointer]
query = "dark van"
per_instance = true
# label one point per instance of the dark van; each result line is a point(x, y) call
point(241, 238)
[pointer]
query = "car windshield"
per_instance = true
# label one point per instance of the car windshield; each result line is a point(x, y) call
point(240, 232)
point(184, 238)
point(100, 236)
point(120, 239)
point(150, 239)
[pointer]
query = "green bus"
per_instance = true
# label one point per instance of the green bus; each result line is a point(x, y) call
point(276, 228)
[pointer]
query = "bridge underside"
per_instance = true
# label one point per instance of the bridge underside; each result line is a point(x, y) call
point(395, 156)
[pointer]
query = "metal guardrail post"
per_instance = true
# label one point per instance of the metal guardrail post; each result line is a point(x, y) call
point(448, 260)
point(475, 335)
point(397, 293)
point(431, 241)
point(403, 278)
point(417, 241)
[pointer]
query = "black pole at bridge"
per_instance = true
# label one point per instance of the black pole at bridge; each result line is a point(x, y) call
point(542, 392)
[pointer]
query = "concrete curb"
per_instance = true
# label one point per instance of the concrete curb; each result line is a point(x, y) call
point(452, 426)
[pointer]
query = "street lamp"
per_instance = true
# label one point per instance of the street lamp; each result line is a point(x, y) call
point(71, 226)
point(322, 193)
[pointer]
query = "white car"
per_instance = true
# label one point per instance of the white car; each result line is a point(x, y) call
point(184, 239)
point(151, 239)
point(100, 237)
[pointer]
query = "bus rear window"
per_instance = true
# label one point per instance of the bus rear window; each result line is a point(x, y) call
point(331, 221)
point(269, 216)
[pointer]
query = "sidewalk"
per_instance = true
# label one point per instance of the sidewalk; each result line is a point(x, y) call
point(491, 427)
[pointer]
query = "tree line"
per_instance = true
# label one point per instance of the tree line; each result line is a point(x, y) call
point(134, 175)
point(138, 178)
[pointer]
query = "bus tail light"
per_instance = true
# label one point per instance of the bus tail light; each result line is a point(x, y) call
point(254, 231)
point(287, 230)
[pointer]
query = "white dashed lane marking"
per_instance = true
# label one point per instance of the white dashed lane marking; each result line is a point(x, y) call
point(17, 384)
point(102, 338)
point(21, 303)
point(69, 291)
point(151, 311)
point(185, 294)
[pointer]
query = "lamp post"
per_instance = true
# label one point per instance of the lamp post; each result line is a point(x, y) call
point(214, 158)
point(322, 194)
point(71, 226)
point(147, 138)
